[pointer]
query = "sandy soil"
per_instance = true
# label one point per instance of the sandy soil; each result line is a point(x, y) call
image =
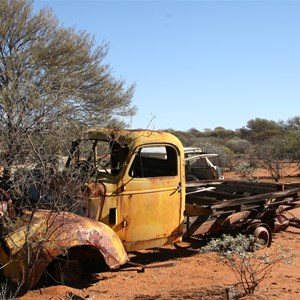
point(184, 273)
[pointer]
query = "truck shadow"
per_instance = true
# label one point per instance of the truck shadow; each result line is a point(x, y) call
point(161, 257)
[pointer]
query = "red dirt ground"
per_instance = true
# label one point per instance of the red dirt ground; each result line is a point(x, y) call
point(185, 274)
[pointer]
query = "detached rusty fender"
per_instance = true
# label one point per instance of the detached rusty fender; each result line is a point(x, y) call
point(39, 237)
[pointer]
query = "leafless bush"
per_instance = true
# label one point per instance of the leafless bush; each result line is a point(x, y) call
point(243, 256)
point(6, 291)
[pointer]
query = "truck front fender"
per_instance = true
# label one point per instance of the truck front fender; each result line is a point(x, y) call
point(44, 235)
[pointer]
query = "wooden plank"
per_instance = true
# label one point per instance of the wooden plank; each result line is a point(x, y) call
point(200, 190)
point(239, 187)
point(198, 199)
point(193, 210)
point(201, 183)
point(220, 195)
point(257, 198)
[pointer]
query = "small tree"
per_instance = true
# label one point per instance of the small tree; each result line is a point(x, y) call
point(271, 156)
point(238, 146)
point(291, 144)
point(259, 130)
point(50, 77)
point(53, 84)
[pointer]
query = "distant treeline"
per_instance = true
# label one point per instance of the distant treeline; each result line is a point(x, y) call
point(261, 143)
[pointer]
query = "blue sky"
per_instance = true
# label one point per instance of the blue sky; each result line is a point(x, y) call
point(198, 64)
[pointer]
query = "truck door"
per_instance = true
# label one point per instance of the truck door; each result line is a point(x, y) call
point(152, 198)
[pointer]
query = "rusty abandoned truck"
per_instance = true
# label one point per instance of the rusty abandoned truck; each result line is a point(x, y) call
point(136, 197)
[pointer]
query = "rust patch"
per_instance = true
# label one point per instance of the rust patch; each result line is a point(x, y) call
point(94, 189)
point(42, 236)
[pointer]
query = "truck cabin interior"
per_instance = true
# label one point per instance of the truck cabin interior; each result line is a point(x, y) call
point(110, 157)
point(103, 156)
point(154, 161)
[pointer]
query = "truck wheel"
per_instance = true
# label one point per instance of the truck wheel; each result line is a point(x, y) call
point(68, 272)
point(262, 233)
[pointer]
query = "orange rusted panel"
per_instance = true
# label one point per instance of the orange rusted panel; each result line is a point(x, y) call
point(236, 217)
point(49, 234)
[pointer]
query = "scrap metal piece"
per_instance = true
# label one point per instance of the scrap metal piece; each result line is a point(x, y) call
point(41, 236)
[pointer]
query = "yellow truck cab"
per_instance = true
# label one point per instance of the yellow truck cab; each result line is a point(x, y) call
point(137, 186)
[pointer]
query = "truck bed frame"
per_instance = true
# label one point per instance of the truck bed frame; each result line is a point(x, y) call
point(215, 207)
